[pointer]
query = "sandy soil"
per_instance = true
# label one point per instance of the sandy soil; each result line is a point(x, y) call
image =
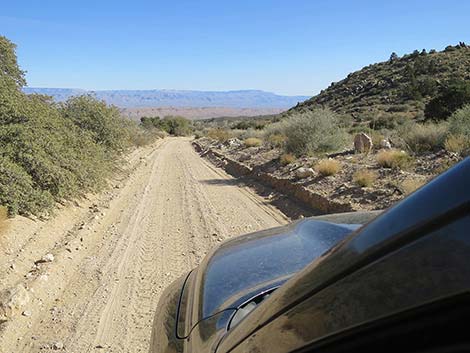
point(115, 252)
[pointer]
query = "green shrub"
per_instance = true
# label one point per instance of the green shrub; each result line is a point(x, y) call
point(18, 192)
point(277, 140)
point(312, 132)
point(457, 144)
point(50, 152)
point(173, 125)
point(103, 122)
point(398, 108)
point(218, 134)
point(177, 125)
point(249, 124)
point(250, 133)
point(423, 137)
point(61, 158)
point(137, 136)
point(387, 121)
point(459, 132)
point(459, 122)
point(198, 134)
point(276, 128)
point(454, 95)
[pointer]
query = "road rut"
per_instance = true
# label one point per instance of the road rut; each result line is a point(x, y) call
point(170, 211)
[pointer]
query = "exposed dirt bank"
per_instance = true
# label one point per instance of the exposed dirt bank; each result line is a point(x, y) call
point(326, 194)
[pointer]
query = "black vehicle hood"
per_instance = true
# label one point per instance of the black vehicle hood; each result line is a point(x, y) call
point(254, 262)
point(241, 270)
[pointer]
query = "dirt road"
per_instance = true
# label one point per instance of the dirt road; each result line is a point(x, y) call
point(114, 254)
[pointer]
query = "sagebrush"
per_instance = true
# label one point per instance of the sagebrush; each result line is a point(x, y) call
point(277, 140)
point(459, 132)
point(219, 134)
point(418, 137)
point(317, 131)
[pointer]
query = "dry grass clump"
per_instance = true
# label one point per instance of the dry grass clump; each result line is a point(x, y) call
point(457, 143)
point(219, 134)
point(277, 140)
point(394, 159)
point(3, 219)
point(410, 185)
point(364, 178)
point(253, 142)
point(327, 167)
point(444, 166)
point(287, 158)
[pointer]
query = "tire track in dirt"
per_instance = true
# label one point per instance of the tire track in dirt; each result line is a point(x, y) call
point(172, 210)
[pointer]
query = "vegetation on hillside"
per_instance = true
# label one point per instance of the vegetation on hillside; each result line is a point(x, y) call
point(421, 83)
point(173, 125)
point(53, 152)
point(414, 109)
point(452, 96)
point(418, 104)
point(316, 131)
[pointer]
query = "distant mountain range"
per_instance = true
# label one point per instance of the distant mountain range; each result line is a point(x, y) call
point(179, 98)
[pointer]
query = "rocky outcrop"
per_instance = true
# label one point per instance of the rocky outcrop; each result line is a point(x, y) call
point(284, 186)
point(304, 172)
point(385, 144)
point(362, 143)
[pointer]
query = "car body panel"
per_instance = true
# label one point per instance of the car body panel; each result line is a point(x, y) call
point(249, 262)
point(437, 204)
point(427, 270)
point(240, 269)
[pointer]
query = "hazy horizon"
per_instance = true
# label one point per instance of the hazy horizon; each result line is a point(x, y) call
point(166, 89)
point(288, 48)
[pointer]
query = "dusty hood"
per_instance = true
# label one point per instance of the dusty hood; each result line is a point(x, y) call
point(246, 264)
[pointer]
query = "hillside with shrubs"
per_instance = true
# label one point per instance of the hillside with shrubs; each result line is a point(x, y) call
point(421, 85)
point(410, 138)
point(51, 152)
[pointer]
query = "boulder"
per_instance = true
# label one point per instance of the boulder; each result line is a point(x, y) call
point(385, 144)
point(233, 142)
point(362, 143)
point(12, 300)
point(59, 345)
point(46, 258)
point(304, 172)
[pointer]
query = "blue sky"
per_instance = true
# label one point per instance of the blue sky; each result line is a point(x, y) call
point(287, 46)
